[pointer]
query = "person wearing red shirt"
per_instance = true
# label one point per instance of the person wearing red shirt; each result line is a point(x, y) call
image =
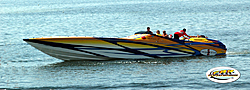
point(179, 34)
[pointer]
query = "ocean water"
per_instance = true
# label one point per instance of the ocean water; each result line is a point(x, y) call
point(24, 67)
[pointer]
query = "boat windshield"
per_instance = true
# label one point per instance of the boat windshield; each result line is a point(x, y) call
point(142, 32)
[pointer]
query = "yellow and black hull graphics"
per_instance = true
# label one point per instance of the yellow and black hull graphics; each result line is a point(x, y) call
point(140, 46)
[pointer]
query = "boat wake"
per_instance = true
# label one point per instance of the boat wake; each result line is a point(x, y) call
point(238, 53)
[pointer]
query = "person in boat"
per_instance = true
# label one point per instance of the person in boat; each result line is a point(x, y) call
point(170, 36)
point(179, 34)
point(158, 33)
point(148, 30)
point(164, 34)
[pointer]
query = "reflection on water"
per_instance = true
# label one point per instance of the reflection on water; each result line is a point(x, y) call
point(164, 61)
point(162, 72)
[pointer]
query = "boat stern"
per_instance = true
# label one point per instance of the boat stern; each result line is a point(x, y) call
point(207, 47)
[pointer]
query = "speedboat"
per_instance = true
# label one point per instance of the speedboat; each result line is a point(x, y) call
point(141, 45)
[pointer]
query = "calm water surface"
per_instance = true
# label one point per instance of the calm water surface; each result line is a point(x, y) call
point(24, 67)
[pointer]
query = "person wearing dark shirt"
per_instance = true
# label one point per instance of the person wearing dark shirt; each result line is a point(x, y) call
point(148, 30)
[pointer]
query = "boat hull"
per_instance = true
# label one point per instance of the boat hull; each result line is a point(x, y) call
point(149, 46)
